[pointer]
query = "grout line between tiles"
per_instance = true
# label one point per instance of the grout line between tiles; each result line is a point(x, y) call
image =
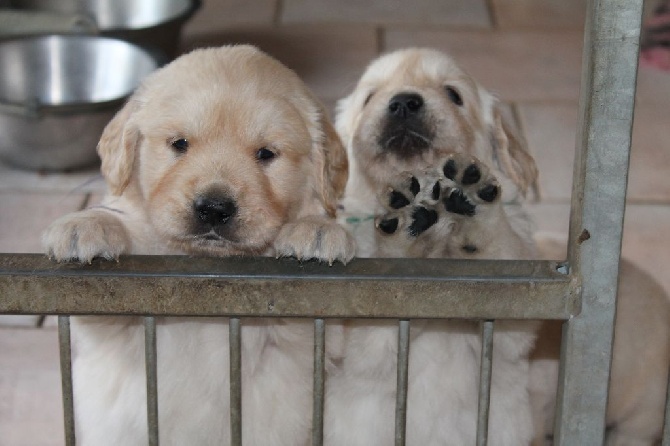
point(493, 18)
point(279, 10)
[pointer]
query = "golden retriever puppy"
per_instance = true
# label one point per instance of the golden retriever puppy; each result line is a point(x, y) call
point(640, 359)
point(222, 152)
point(435, 171)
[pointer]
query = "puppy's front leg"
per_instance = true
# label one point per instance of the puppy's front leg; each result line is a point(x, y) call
point(315, 237)
point(82, 236)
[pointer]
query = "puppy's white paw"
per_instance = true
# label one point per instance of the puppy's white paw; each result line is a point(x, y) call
point(82, 236)
point(315, 237)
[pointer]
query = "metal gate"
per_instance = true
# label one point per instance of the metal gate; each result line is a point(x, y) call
point(580, 291)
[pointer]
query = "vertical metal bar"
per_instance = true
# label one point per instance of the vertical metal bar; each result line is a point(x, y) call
point(151, 365)
point(319, 374)
point(66, 378)
point(666, 423)
point(235, 340)
point(609, 73)
point(485, 368)
point(401, 386)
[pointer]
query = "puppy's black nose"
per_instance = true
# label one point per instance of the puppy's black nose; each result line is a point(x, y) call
point(403, 105)
point(214, 211)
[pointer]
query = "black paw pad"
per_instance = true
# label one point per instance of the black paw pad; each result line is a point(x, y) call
point(422, 219)
point(488, 193)
point(435, 194)
point(414, 186)
point(457, 203)
point(471, 175)
point(397, 200)
point(388, 226)
point(450, 169)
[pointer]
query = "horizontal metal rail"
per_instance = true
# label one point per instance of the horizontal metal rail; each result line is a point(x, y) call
point(370, 288)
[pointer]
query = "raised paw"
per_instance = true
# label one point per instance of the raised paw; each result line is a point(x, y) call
point(315, 237)
point(468, 184)
point(83, 236)
point(450, 211)
point(409, 188)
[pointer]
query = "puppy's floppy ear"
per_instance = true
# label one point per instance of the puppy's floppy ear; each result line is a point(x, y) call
point(117, 147)
point(332, 165)
point(345, 117)
point(510, 150)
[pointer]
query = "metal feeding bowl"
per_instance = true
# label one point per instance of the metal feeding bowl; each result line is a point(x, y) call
point(57, 93)
point(154, 24)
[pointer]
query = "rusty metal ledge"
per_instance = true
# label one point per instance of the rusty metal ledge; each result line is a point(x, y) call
point(188, 286)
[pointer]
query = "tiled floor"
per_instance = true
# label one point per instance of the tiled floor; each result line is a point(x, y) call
point(527, 51)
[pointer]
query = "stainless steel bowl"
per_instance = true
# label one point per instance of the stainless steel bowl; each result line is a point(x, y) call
point(58, 92)
point(154, 24)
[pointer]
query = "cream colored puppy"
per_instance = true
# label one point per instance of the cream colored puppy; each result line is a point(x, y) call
point(222, 152)
point(435, 171)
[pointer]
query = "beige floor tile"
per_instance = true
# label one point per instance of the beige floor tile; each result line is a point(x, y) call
point(462, 13)
point(328, 58)
point(20, 320)
point(215, 15)
point(26, 214)
point(518, 65)
point(550, 132)
point(551, 129)
point(646, 239)
point(30, 396)
point(12, 179)
point(539, 14)
point(653, 87)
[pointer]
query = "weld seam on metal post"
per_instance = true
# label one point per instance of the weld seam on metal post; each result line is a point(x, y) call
point(319, 381)
point(485, 371)
point(65, 351)
point(401, 386)
point(235, 346)
point(151, 364)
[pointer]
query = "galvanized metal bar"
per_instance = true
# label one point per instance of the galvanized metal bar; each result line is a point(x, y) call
point(371, 288)
point(401, 386)
point(235, 346)
point(609, 74)
point(485, 369)
point(666, 422)
point(151, 364)
point(319, 381)
point(65, 348)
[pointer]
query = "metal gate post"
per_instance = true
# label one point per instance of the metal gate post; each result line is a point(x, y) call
point(611, 46)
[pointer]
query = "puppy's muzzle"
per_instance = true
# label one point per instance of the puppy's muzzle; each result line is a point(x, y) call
point(404, 132)
point(213, 211)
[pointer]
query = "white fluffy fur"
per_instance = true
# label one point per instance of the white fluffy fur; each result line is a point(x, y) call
point(227, 103)
point(444, 355)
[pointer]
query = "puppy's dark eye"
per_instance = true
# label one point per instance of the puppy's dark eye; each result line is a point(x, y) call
point(264, 154)
point(454, 95)
point(180, 145)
